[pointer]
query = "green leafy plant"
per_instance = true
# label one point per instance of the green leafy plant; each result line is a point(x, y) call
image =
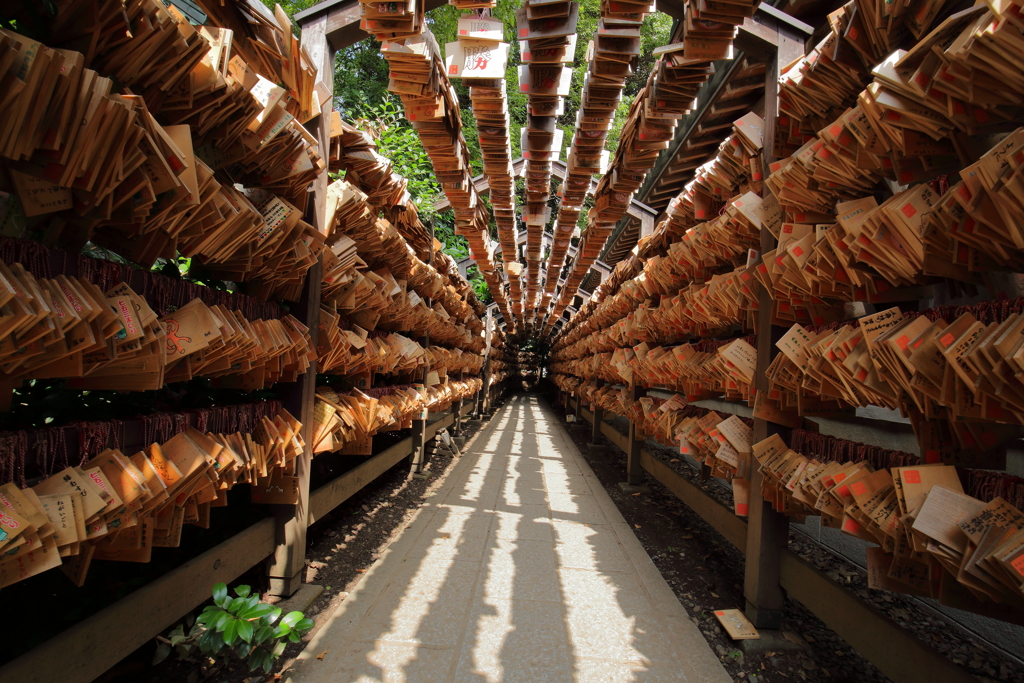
point(241, 625)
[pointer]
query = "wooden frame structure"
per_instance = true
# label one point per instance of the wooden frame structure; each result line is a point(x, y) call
point(279, 540)
point(738, 85)
point(772, 42)
point(771, 570)
point(897, 653)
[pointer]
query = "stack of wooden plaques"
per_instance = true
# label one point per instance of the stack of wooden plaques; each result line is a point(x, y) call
point(951, 368)
point(696, 250)
point(650, 125)
point(267, 43)
point(610, 54)
point(930, 533)
point(69, 328)
point(481, 59)
point(547, 35)
point(418, 76)
point(119, 508)
point(563, 232)
point(392, 20)
point(152, 178)
point(395, 289)
point(474, 4)
point(347, 422)
point(355, 152)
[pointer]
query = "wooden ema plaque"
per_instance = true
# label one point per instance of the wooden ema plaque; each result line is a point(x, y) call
point(363, 446)
point(736, 624)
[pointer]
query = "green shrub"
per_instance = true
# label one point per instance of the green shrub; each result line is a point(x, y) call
point(241, 625)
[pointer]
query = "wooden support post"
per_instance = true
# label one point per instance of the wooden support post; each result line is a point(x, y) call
point(285, 568)
point(419, 425)
point(457, 407)
point(634, 470)
point(767, 530)
point(595, 427)
point(485, 404)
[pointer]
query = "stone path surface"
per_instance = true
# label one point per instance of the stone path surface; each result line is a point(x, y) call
point(520, 569)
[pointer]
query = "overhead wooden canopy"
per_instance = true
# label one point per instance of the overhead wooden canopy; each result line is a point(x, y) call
point(343, 18)
point(737, 86)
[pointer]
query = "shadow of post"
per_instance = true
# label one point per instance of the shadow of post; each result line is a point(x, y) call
point(515, 575)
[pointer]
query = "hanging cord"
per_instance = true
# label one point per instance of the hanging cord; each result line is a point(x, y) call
point(51, 454)
point(13, 449)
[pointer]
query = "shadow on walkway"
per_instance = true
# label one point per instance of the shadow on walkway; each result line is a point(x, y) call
point(520, 570)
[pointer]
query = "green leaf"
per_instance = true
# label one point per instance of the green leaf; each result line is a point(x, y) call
point(209, 615)
point(177, 640)
point(163, 650)
point(249, 603)
point(242, 591)
point(257, 611)
point(245, 630)
point(304, 625)
point(263, 634)
point(279, 649)
point(282, 629)
point(210, 642)
point(292, 618)
point(231, 631)
point(272, 617)
point(294, 636)
point(268, 662)
point(223, 621)
point(178, 630)
point(220, 593)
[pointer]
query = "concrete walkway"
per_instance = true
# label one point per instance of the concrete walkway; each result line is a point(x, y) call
point(520, 570)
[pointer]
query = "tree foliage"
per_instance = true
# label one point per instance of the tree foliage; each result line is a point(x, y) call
point(361, 95)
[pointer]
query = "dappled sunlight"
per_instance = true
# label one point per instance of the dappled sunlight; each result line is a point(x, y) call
point(517, 444)
point(517, 574)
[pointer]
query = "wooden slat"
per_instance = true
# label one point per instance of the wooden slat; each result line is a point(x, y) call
point(333, 494)
point(288, 565)
point(897, 652)
point(724, 520)
point(88, 649)
point(330, 496)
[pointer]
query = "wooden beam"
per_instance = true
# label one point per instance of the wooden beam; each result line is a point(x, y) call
point(88, 649)
point(896, 651)
point(723, 519)
point(768, 530)
point(287, 567)
point(342, 17)
point(333, 494)
point(340, 489)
